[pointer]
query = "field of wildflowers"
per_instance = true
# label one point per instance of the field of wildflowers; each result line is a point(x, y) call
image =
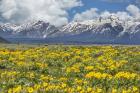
point(70, 69)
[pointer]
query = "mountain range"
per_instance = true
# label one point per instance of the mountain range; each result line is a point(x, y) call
point(97, 31)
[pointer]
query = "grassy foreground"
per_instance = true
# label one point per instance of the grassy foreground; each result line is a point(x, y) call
point(70, 69)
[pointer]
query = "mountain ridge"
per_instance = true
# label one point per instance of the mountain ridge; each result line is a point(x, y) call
point(102, 31)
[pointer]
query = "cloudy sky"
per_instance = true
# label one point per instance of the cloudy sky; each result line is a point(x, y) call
point(61, 12)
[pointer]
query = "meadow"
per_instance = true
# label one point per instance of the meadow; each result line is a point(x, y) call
point(69, 69)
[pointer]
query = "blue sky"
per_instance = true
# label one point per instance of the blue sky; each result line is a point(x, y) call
point(102, 6)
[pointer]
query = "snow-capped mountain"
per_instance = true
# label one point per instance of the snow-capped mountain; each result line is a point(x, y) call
point(37, 29)
point(7, 30)
point(103, 31)
point(33, 29)
point(94, 27)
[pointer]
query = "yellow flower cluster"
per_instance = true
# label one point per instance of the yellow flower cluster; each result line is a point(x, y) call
point(126, 75)
point(98, 75)
point(70, 69)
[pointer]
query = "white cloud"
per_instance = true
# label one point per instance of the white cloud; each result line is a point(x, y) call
point(53, 11)
point(134, 11)
point(120, 14)
point(87, 15)
point(123, 15)
point(105, 14)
